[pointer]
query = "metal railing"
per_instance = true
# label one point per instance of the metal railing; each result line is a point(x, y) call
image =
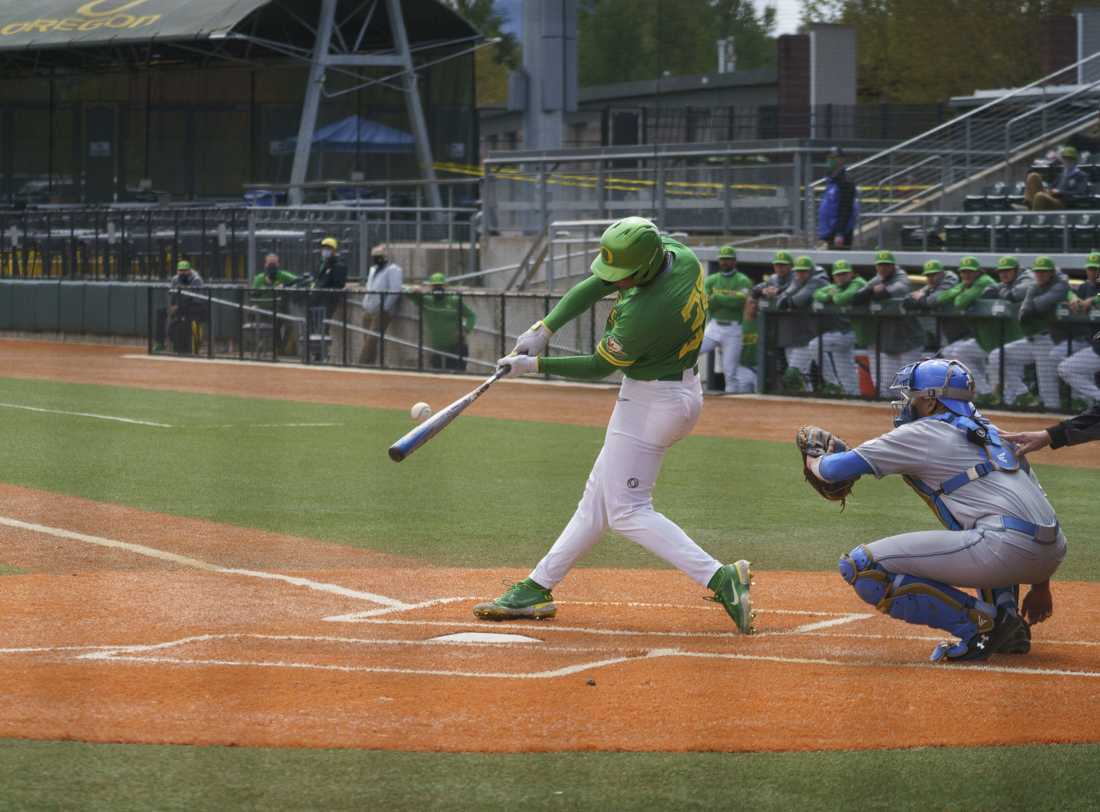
point(225, 244)
point(975, 142)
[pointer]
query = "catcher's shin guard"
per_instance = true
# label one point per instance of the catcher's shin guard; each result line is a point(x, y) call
point(920, 601)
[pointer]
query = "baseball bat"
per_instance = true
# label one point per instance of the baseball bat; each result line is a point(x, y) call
point(439, 421)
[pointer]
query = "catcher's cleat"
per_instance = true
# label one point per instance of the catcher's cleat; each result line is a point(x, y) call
point(1007, 631)
point(731, 589)
point(523, 601)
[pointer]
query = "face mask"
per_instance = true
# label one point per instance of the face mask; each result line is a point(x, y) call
point(326, 253)
point(271, 270)
point(438, 294)
point(380, 261)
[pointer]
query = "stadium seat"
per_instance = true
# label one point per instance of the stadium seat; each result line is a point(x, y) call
point(954, 234)
point(1017, 234)
point(1083, 236)
point(976, 233)
point(1039, 233)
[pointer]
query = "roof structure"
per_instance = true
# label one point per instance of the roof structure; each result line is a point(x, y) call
point(49, 35)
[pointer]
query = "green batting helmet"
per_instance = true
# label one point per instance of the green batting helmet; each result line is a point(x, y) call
point(629, 247)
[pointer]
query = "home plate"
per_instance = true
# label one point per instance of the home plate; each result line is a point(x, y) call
point(483, 637)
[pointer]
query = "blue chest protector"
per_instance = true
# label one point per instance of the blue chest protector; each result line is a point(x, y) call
point(996, 456)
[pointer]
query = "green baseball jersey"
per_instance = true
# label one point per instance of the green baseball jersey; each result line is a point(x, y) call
point(655, 331)
point(441, 321)
point(281, 278)
point(833, 293)
point(726, 295)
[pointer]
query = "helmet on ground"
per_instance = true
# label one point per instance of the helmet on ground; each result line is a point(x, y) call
point(629, 247)
point(183, 265)
point(969, 264)
point(842, 266)
point(945, 379)
point(727, 252)
point(330, 242)
point(437, 279)
point(804, 263)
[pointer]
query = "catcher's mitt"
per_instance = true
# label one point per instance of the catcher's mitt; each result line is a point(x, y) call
point(817, 442)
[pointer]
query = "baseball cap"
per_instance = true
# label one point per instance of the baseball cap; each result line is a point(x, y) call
point(1069, 152)
point(969, 264)
point(836, 152)
point(884, 258)
point(727, 252)
point(933, 266)
point(782, 258)
point(803, 263)
point(1043, 263)
point(1093, 260)
point(1008, 263)
point(183, 265)
point(842, 266)
point(380, 250)
point(437, 279)
point(329, 242)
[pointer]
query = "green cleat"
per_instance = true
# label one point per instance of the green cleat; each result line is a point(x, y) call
point(523, 601)
point(731, 589)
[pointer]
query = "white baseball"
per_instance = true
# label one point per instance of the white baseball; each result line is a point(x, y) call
point(420, 411)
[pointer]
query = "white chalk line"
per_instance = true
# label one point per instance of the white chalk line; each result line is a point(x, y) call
point(89, 415)
point(194, 563)
point(136, 654)
point(152, 424)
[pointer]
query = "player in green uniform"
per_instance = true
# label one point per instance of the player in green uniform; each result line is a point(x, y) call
point(652, 336)
point(447, 322)
point(971, 340)
point(839, 336)
point(726, 293)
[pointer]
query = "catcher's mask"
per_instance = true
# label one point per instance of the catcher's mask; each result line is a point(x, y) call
point(947, 381)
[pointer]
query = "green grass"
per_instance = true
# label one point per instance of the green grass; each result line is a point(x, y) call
point(486, 492)
point(6, 570)
point(49, 775)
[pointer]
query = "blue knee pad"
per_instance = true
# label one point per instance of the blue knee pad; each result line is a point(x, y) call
point(920, 601)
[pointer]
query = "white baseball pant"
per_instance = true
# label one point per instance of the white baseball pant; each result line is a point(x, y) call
point(970, 352)
point(801, 358)
point(728, 337)
point(1039, 350)
point(1079, 371)
point(649, 417)
point(837, 361)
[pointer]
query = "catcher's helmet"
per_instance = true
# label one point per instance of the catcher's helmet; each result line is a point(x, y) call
point(946, 380)
point(629, 247)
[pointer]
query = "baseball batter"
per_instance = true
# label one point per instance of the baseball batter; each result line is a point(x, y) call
point(652, 336)
point(726, 293)
point(1000, 530)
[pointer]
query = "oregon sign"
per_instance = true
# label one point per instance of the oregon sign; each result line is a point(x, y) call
point(118, 15)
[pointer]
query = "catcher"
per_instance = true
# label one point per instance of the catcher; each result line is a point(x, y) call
point(1000, 529)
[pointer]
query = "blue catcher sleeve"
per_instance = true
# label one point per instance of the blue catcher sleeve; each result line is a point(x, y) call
point(846, 465)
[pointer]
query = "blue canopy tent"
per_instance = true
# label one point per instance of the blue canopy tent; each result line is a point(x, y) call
point(353, 134)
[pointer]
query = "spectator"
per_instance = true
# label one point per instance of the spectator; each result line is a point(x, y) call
point(840, 335)
point(331, 276)
point(1081, 370)
point(1070, 187)
point(938, 281)
point(447, 322)
point(838, 214)
point(795, 333)
point(971, 341)
point(185, 314)
point(899, 340)
point(383, 285)
point(726, 293)
point(271, 277)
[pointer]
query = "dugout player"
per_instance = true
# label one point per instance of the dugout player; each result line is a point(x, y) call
point(1000, 530)
point(726, 293)
point(652, 336)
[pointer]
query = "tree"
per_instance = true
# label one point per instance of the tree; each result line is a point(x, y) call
point(633, 40)
point(492, 65)
point(921, 51)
